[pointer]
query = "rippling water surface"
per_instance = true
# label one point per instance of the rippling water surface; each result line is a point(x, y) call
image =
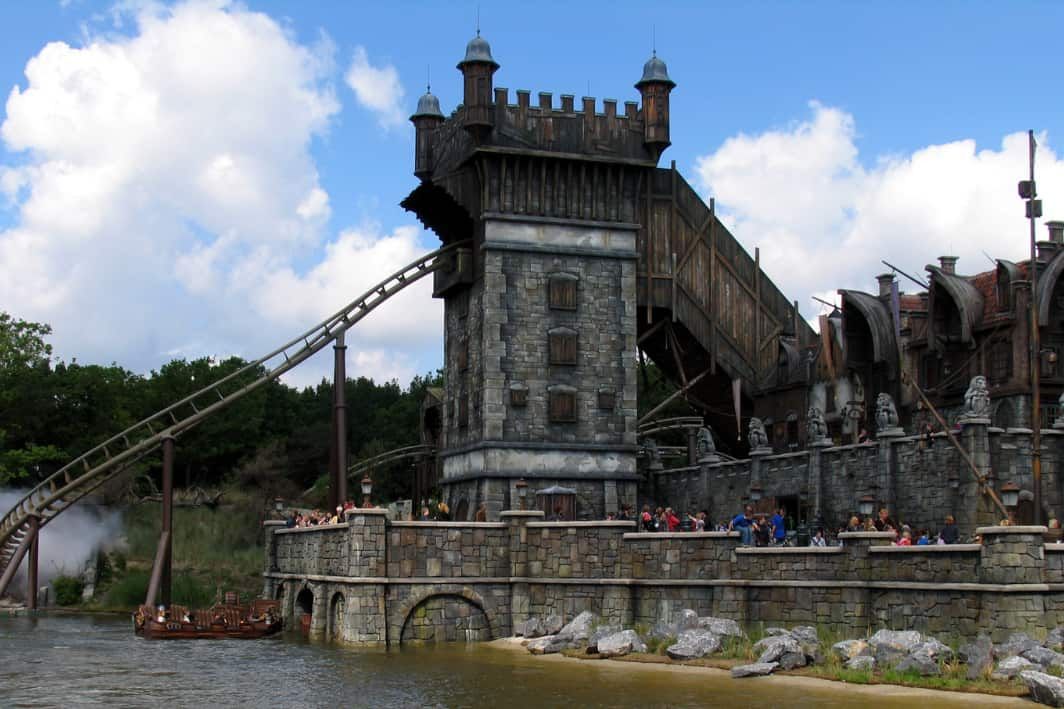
point(84, 661)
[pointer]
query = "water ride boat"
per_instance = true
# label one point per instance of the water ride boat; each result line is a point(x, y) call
point(222, 620)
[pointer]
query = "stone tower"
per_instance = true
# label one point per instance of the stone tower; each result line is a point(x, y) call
point(540, 309)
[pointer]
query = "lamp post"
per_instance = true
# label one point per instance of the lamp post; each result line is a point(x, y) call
point(866, 505)
point(1029, 192)
point(367, 488)
point(522, 493)
point(755, 492)
point(1010, 494)
point(278, 505)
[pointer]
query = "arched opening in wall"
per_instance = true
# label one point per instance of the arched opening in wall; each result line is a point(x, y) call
point(1004, 415)
point(303, 611)
point(336, 616)
point(1025, 508)
point(461, 513)
point(446, 618)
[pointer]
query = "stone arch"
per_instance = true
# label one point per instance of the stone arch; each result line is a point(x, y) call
point(337, 608)
point(418, 597)
point(461, 511)
point(303, 607)
point(446, 617)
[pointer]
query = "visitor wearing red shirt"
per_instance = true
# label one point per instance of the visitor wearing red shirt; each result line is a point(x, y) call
point(672, 519)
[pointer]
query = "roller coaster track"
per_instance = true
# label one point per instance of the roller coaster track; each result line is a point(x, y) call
point(387, 458)
point(86, 473)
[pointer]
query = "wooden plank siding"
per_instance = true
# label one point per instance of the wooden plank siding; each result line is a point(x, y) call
point(692, 268)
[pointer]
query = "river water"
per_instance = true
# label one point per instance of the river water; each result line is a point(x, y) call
point(88, 661)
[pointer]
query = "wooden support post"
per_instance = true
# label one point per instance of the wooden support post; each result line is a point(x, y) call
point(157, 569)
point(16, 558)
point(339, 491)
point(31, 570)
point(757, 309)
point(714, 305)
point(165, 571)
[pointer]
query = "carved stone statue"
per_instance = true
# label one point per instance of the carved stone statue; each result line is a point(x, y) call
point(755, 433)
point(977, 399)
point(707, 449)
point(886, 414)
point(816, 427)
point(650, 447)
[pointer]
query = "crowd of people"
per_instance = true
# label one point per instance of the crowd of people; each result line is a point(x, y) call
point(777, 529)
point(317, 518)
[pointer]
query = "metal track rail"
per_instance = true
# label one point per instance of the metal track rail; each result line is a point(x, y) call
point(87, 472)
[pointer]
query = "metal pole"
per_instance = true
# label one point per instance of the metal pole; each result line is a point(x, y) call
point(31, 571)
point(165, 576)
point(1036, 352)
point(340, 417)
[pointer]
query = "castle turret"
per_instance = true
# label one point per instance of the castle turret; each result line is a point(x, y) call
point(655, 87)
point(426, 120)
point(477, 69)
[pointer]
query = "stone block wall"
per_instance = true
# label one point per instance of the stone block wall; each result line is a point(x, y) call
point(524, 567)
point(919, 482)
point(453, 550)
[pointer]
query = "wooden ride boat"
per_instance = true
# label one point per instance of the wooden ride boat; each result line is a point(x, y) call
point(222, 620)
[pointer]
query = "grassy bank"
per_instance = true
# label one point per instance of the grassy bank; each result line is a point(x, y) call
point(215, 550)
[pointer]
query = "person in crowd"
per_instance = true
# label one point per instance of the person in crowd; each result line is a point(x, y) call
point(482, 513)
point(661, 524)
point(698, 521)
point(924, 539)
point(625, 514)
point(646, 520)
point(906, 539)
point(672, 522)
point(818, 539)
point(559, 514)
point(426, 516)
point(762, 533)
point(611, 516)
point(949, 534)
point(884, 520)
point(744, 524)
point(339, 516)
point(778, 522)
point(854, 524)
point(290, 519)
point(870, 525)
point(863, 437)
point(443, 512)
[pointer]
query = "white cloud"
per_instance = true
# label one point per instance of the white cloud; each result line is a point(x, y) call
point(823, 221)
point(377, 89)
point(166, 200)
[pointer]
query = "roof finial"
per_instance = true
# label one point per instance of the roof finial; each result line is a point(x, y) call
point(478, 20)
point(654, 40)
point(428, 78)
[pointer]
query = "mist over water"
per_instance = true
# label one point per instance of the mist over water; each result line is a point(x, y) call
point(69, 540)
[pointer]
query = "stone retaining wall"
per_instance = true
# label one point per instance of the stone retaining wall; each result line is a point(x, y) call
point(919, 482)
point(375, 581)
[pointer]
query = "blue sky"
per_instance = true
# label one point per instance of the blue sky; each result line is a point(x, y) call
point(208, 178)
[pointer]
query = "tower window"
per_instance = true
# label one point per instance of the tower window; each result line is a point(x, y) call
point(562, 405)
point(563, 291)
point(562, 345)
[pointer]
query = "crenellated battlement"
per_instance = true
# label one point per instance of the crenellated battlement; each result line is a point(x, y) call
point(545, 103)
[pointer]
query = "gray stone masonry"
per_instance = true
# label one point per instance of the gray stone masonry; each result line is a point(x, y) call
point(379, 582)
point(919, 483)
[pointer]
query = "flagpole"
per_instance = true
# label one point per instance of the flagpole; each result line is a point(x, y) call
point(1036, 349)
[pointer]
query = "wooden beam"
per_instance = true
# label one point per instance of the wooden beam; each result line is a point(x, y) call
point(676, 356)
point(668, 400)
point(649, 333)
point(712, 304)
point(757, 304)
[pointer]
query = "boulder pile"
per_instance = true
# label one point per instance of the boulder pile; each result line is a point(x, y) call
point(689, 636)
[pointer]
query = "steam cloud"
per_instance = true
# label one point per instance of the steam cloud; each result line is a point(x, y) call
point(68, 541)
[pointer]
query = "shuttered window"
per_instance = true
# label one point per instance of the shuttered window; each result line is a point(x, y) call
point(562, 346)
point(563, 291)
point(562, 406)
